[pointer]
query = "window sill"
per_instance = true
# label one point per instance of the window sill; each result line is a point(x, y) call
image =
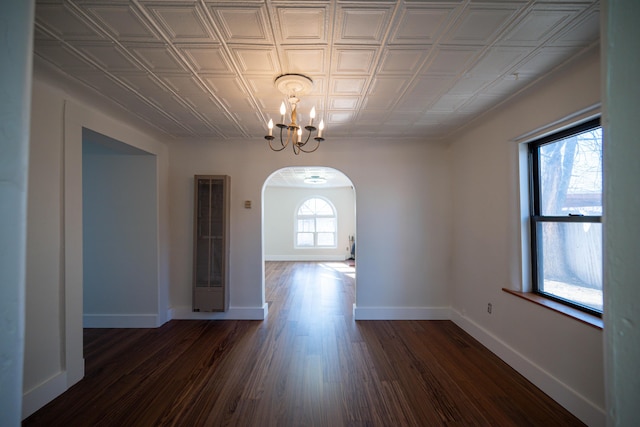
point(576, 314)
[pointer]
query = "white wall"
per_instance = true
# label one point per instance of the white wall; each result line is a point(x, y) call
point(621, 66)
point(403, 220)
point(16, 40)
point(44, 344)
point(280, 208)
point(53, 331)
point(120, 244)
point(559, 354)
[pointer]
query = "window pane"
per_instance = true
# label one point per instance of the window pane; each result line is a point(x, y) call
point(305, 239)
point(323, 208)
point(306, 225)
point(316, 224)
point(315, 207)
point(571, 175)
point(307, 208)
point(326, 239)
point(326, 224)
point(570, 264)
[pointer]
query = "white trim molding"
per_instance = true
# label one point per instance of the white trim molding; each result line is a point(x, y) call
point(44, 393)
point(401, 313)
point(234, 313)
point(578, 405)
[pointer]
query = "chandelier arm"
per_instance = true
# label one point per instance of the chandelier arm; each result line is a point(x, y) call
point(282, 144)
point(310, 129)
point(277, 149)
point(310, 151)
point(302, 144)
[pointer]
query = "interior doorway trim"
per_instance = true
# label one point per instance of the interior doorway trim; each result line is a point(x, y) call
point(77, 117)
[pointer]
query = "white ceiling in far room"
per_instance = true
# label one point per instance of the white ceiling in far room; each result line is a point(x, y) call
point(296, 176)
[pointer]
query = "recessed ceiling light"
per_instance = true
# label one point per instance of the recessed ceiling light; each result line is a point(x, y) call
point(315, 179)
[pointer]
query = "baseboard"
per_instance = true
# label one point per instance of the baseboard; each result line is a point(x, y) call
point(234, 313)
point(575, 403)
point(303, 258)
point(120, 321)
point(401, 313)
point(44, 393)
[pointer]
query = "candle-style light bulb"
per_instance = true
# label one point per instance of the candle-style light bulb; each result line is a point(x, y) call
point(283, 110)
point(312, 115)
point(320, 128)
point(270, 126)
point(299, 134)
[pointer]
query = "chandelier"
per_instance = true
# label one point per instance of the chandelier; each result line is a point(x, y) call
point(293, 86)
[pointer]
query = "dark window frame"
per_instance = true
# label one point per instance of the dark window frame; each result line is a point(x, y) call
point(536, 217)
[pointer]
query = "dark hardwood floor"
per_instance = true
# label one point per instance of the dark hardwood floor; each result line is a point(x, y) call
point(308, 364)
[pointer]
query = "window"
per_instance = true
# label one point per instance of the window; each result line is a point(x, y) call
point(316, 224)
point(566, 216)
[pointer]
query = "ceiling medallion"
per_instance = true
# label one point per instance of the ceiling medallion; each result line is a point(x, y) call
point(293, 86)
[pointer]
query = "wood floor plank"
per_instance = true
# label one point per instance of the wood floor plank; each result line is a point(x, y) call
point(307, 364)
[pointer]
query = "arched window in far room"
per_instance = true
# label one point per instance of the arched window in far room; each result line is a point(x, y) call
point(316, 224)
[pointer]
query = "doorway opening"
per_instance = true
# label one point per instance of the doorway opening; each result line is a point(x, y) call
point(309, 217)
point(120, 243)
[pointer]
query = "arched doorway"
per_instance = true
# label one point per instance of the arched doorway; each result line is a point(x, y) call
point(309, 215)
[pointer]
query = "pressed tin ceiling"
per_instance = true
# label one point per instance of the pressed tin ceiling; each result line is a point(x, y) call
point(409, 69)
point(295, 177)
